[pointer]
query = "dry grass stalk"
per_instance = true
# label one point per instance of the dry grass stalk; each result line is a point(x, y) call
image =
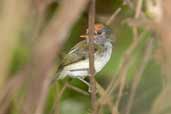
point(77, 89)
point(45, 51)
point(125, 59)
point(137, 15)
point(138, 75)
point(112, 18)
point(13, 16)
point(163, 27)
point(123, 68)
point(107, 101)
point(56, 105)
point(91, 23)
point(135, 36)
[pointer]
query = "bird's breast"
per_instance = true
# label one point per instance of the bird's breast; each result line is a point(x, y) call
point(101, 59)
point(81, 68)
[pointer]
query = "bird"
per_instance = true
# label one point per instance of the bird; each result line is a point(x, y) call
point(76, 63)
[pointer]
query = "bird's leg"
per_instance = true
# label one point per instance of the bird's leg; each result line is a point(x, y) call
point(85, 82)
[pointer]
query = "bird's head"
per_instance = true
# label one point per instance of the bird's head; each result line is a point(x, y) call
point(101, 33)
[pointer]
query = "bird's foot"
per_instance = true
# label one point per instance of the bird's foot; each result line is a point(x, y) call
point(87, 83)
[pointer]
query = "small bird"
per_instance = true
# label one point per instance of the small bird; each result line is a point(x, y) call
point(76, 63)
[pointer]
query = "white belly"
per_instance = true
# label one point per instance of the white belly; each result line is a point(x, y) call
point(80, 69)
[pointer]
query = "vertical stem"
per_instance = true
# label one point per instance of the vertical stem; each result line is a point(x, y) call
point(138, 75)
point(136, 16)
point(163, 26)
point(91, 22)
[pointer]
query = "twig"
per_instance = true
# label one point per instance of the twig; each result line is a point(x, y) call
point(9, 31)
point(126, 58)
point(8, 91)
point(122, 83)
point(56, 103)
point(56, 107)
point(137, 14)
point(42, 5)
point(138, 8)
point(101, 101)
point(135, 36)
point(102, 93)
point(40, 10)
point(123, 68)
point(13, 84)
point(77, 89)
point(44, 52)
point(162, 104)
point(112, 18)
point(123, 65)
point(122, 73)
point(45, 89)
point(91, 22)
point(138, 75)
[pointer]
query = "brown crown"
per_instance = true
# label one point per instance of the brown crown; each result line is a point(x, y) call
point(99, 27)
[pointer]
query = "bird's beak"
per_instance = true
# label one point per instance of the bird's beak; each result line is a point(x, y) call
point(84, 36)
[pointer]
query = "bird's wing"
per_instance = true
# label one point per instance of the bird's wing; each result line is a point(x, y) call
point(77, 53)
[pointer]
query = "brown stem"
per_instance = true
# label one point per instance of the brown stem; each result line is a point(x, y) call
point(136, 16)
point(44, 52)
point(138, 75)
point(91, 22)
point(112, 18)
point(162, 104)
point(124, 64)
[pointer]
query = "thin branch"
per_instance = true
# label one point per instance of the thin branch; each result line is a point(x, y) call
point(102, 93)
point(138, 8)
point(137, 14)
point(138, 75)
point(163, 26)
point(56, 106)
point(10, 89)
point(17, 10)
point(126, 58)
point(126, 64)
point(123, 65)
point(122, 83)
point(101, 101)
point(41, 5)
point(44, 52)
point(91, 22)
point(77, 89)
point(112, 18)
point(135, 36)
point(45, 89)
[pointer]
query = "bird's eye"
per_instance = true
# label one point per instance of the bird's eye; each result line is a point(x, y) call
point(99, 32)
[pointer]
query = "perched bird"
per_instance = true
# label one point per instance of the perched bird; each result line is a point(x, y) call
point(76, 63)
